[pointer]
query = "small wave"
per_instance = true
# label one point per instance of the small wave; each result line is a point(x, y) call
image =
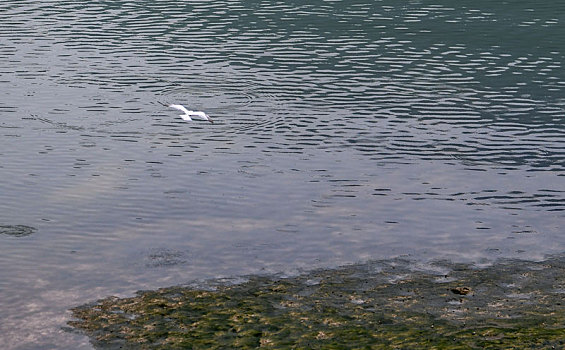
point(17, 230)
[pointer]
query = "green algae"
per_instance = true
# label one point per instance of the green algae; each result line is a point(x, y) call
point(377, 305)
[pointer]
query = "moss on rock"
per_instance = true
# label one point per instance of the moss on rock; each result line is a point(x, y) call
point(377, 305)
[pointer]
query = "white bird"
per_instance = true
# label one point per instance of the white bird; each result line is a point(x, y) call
point(188, 114)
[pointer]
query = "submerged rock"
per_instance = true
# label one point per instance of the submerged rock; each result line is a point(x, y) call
point(380, 305)
point(461, 290)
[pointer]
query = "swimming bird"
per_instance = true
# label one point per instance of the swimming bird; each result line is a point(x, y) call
point(188, 114)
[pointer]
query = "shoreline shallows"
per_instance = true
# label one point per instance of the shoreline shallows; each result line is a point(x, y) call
point(379, 305)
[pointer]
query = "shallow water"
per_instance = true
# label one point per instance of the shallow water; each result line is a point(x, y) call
point(344, 131)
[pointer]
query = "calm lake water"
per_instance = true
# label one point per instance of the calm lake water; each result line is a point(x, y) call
point(344, 131)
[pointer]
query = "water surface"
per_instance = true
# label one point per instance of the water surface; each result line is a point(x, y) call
point(344, 131)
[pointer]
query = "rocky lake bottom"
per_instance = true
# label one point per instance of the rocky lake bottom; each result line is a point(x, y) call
point(389, 304)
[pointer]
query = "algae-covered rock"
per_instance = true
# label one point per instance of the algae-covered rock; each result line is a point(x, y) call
point(377, 305)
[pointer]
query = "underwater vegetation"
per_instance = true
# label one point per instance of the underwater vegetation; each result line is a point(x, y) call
point(390, 304)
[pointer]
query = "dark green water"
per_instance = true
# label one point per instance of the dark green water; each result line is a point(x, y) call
point(344, 131)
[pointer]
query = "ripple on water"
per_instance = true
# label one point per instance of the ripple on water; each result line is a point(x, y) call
point(239, 106)
point(16, 230)
point(381, 89)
